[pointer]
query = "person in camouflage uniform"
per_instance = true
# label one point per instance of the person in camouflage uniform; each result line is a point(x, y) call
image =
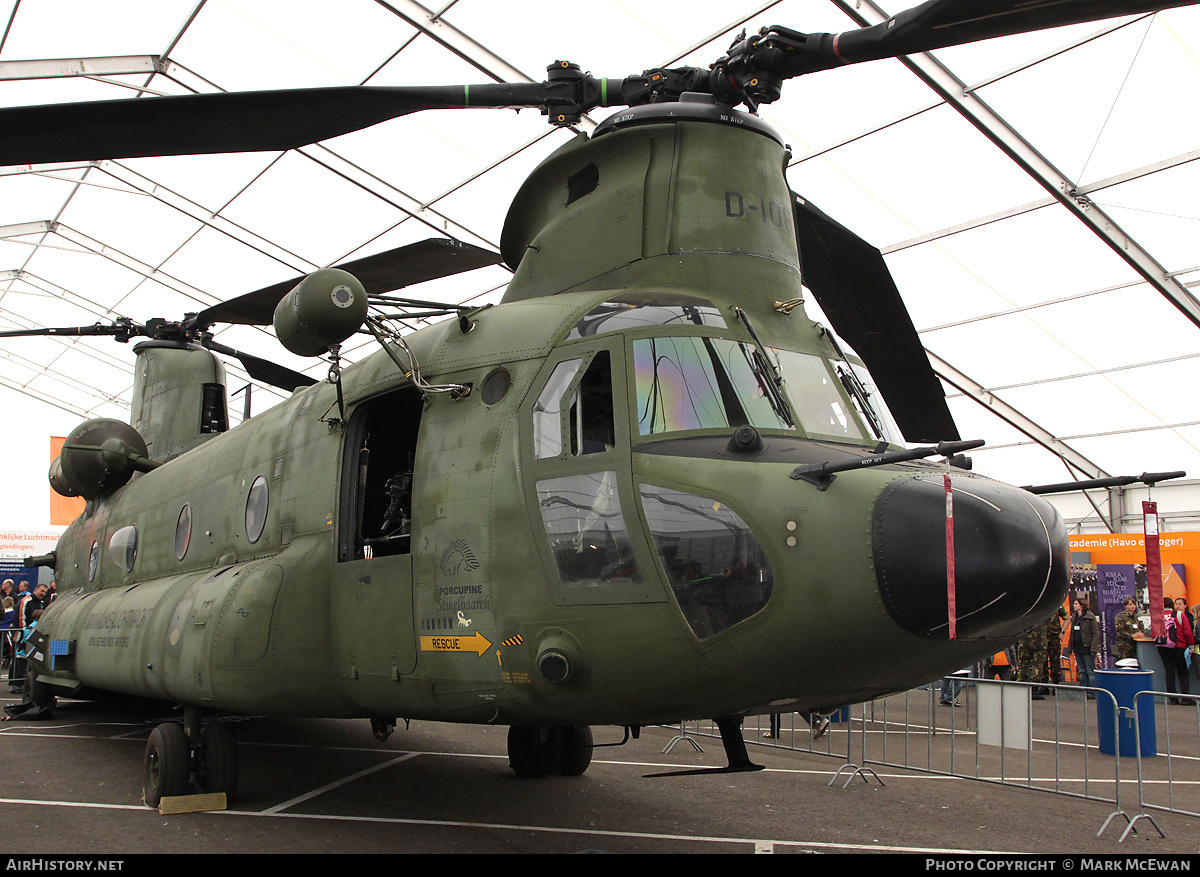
point(1127, 625)
point(1054, 630)
point(1031, 657)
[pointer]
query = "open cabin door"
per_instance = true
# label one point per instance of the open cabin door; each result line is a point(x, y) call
point(373, 579)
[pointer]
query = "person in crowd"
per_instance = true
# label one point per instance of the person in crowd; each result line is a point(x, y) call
point(1054, 647)
point(1185, 640)
point(1172, 648)
point(1085, 642)
point(951, 686)
point(818, 724)
point(28, 611)
point(1031, 659)
point(1196, 636)
point(1001, 664)
point(7, 618)
point(1128, 625)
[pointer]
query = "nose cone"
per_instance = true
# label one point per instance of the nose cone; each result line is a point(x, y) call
point(1011, 557)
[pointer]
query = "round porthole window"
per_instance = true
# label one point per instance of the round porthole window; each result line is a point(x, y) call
point(122, 547)
point(256, 509)
point(495, 386)
point(183, 531)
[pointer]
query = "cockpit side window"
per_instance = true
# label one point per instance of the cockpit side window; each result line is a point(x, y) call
point(586, 402)
point(593, 430)
point(547, 410)
point(582, 487)
point(586, 528)
point(717, 569)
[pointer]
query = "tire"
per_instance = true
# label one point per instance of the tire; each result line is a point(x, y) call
point(555, 750)
point(527, 751)
point(217, 762)
point(166, 764)
point(576, 754)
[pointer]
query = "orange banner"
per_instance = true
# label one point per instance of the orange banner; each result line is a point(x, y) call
point(63, 509)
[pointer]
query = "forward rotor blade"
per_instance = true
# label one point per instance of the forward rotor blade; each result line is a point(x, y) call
point(383, 272)
point(228, 122)
point(854, 288)
point(70, 331)
point(941, 23)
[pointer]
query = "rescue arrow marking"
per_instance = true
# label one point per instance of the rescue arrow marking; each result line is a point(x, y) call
point(476, 643)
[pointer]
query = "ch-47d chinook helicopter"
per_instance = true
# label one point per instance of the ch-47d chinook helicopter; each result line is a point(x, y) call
point(643, 488)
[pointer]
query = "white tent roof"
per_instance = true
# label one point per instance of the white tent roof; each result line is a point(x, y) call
point(1047, 335)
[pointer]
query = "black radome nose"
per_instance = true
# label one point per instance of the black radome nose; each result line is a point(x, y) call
point(1011, 557)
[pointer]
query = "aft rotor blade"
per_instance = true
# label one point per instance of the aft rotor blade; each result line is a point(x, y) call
point(852, 284)
point(264, 370)
point(383, 272)
point(228, 122)
point(941, 23)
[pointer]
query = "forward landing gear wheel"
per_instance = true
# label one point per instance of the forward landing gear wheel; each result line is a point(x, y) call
point(166, 764)
point(555, 750)
point(217, 761)
point(576, 753)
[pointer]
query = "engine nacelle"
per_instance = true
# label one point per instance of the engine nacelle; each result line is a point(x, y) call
point(324, 309)
point(58, 481)
point(98, 457)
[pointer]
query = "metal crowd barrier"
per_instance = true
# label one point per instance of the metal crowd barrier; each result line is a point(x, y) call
point(1062, 739)
point(8, 639)
point(1162, 785)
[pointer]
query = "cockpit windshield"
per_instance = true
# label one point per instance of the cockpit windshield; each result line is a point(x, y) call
point(692, 382)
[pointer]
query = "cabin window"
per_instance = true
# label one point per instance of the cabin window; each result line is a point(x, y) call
point(689, 382)
point(93, 561)
point(122, 547)
point(587, 532)
point(183, 531)
point(256, 509)
point(496, 386)
point(718, 571)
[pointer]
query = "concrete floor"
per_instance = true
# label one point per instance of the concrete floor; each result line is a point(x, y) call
point(72, 784)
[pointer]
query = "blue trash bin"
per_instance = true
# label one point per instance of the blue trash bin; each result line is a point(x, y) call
point(1124, 685)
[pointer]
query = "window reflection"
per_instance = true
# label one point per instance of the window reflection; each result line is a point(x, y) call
point(547, 410)
point(256, 509)
point(718, 572)
point(687, 382)
point(634, 311)
point(588, 537)
point(183, 531)
point(122, 547)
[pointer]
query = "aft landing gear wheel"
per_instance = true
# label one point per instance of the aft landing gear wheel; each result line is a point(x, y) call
point(167, 764)
point(554, 750)
point(217, 760)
